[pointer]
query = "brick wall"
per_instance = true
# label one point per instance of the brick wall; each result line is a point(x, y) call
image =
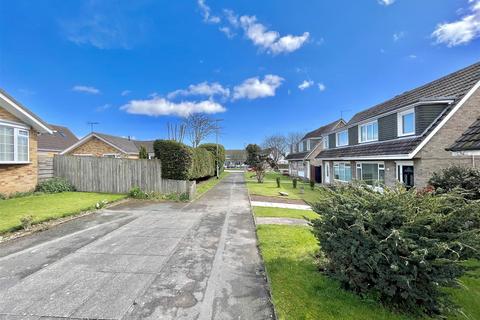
point(433, 156)
point(95, 147)
point(5, 115)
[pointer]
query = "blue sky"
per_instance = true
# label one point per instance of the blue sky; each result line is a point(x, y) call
point(133, 66)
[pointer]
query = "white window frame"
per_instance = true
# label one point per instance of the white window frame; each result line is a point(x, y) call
point(300, 146)
point(83, 155)
point(108, 155)
point(16, 129)
point(326, 143)
point(337, 164)
point(338, 140)
point(308, 145)
point(400, 116)
point(380, 167)
point(327, 172)
point(375, 138)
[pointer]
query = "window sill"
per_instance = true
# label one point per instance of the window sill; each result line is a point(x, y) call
point(15, 162)
point(342, 181)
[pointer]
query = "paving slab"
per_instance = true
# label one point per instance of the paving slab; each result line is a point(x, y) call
point(281, 221)
point(142, 261)
point(281, 205)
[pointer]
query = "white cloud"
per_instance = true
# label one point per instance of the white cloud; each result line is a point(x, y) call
point(103, 108)
point(86, 89)
point(412, 56)
point(305, 84)
point(206, 12)
point(398, 36)
point(462, 31)
point(386, 2)
point(227, 31)
point(158, 106)
point(322, 87)
point(254, 88)
point(268, 40)
point(125, 93)
point(201, 89)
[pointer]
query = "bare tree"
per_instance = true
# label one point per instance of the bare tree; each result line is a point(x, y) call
point(294, 137)
point(199, 126)
point(277, 146)
point(176, 132)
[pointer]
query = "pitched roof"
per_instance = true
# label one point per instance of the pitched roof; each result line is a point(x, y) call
point(457, 85)
point(454, 85)
point(126, 144)
point(297, 155)
point(22, 112)
point(324, 129)
point(61, 139)
point(469, 140)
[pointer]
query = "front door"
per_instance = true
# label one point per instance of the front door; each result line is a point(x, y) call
point(327, 172)
point(407, 176)
point(318, 174)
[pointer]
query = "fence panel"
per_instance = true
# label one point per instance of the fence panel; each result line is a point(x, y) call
point(94, 174)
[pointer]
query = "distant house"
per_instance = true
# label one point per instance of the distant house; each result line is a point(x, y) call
point(235, 158)
point(19, 130)
point(469, 143)
point(404, 139)
point(61, 139)
point(103, 145)
point(301, 159)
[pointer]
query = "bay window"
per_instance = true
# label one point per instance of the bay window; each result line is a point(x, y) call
point(371, 173)
point(368, 132)
point(342, 138)
point(13, 144)
point(342, 171)
point(406, 123)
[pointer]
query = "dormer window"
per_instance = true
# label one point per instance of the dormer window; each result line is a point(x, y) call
point(406, 123)
point(368, 132)
point(342, 138)
point(308, 145)
point(300, 147)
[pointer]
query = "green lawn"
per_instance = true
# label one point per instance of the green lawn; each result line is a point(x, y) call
point(284, 213)
point(300, 291)
point(48, 206)
point(269, 187)
point(204, 186)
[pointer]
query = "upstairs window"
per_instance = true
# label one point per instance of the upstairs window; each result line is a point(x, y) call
point(342, 138)
point(406, 123)
point(368, 132)
point(325, 143)
point(13, 144)
point(300, 147)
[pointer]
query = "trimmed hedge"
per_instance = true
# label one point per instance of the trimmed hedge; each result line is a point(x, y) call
point(181, 162)
point(176, 158)
point(399, 246)
point(203, 164)
point(212, 147)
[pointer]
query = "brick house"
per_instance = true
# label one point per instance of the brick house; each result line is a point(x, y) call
point(405, 139)
point(103, 145)
point(51, 144)
point(19, 130)
point(301, 159)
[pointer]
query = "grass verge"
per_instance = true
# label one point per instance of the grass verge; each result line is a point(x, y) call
point(46, 207)
point(301, 292)
point(204, 186)
point(284, 213)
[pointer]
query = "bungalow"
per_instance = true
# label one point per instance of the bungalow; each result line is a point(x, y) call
point(469, 143)
point(51, 144)
point(235, 158)
point(19, 130)
point(405, 138)
point(103, 145)
point(301, 159)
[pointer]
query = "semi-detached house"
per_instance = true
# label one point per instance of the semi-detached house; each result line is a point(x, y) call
point(408, 137)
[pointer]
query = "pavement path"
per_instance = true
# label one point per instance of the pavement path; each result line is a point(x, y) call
point(281, 221)
point(142, 261)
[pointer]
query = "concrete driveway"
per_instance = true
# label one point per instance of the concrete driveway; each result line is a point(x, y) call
point(148, 261)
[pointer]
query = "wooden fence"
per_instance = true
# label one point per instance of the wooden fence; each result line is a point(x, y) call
point(94, 174)
point(45, 167)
